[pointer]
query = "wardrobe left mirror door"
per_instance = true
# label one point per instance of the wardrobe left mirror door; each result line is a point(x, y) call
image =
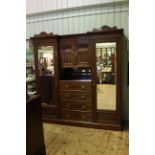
point(46, 74)
point(46, 60)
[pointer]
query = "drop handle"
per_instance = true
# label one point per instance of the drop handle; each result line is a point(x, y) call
point(66, 86)
point(66, 96)
point(83, 116)
point(83, 106)
point(82, 86)
point(67, 105)
point(67, 115)
point(82, 97)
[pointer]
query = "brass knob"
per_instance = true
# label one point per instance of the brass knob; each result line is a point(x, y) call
point(66, 96)
point(83, 116)
point(67, 105)
point(83, 97)
point(83, 86)
point(66, 86)
point(67, 115)
point(83, 106)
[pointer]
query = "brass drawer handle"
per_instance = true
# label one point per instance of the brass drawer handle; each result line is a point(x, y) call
point(83, 116)
point(67, 115)
point(67, 105)
point(83, 97)
point(66, 86)
point(83, 106)
point(83, 86)
point(66, 96)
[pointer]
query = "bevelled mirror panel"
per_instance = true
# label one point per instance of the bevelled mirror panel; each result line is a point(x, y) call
point(46, 60)
point(106, 75)
point(46, 74)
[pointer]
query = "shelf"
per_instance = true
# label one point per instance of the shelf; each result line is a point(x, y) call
point(82, 49)
point(76, 80)
point(31, 81)
point(107, 83)
point(32, 93)
point(68, 50)
point(109, 72)
point(76, 66)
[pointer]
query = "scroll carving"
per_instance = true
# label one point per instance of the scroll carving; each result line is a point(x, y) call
point(104, 28)
point(43, 34)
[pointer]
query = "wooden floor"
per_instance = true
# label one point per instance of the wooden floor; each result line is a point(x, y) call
point(70, 140)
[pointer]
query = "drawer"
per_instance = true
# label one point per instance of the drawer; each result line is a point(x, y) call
point(75, 96)
point(48, 112)
point(85, 106)
point(75, 85)
point(75, 115)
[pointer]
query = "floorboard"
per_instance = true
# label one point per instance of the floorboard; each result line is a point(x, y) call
point(71, 140)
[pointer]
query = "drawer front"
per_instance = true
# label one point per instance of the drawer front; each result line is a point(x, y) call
point(48, 112)
point(67, 96)
point(85, 106)
point(77, 116)
point(72, 85)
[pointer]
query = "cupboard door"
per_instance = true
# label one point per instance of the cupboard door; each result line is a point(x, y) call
point(46, 76)
point(82, 55)
point(106, 82)
point(67, 55)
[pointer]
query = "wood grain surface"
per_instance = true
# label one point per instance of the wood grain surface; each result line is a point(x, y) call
point(69, 140)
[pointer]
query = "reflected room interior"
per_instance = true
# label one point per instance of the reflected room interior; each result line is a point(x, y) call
point(106, 75)
point(46, 74)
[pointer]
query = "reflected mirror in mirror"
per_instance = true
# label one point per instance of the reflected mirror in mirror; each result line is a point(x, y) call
point(106, 75)
point(46, 60)
point(30, 69)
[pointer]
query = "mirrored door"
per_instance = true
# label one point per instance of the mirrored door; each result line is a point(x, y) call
point(106, 75)
point(46, 60)
point(46, 74)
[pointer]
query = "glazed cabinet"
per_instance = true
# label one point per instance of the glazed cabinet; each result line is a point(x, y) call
point(74, 51)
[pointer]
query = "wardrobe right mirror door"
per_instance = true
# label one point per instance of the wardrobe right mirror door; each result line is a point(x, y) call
point(106, 75)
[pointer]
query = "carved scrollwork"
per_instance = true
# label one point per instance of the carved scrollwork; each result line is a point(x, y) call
point(104, 27)
point(43, 34)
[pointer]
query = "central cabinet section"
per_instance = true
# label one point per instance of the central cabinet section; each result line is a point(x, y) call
point(74, 52)
point(75, 99)
point(75, 84)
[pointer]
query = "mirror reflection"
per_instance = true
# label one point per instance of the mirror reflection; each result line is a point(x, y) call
point(106, 75)
point(46, 74)
point(46, 60)
point(30, 70)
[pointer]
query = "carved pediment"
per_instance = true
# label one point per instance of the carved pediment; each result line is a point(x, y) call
point(43, 34)
point(104, 28)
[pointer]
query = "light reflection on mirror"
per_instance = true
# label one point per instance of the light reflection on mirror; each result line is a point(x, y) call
point(46, 60)
point(106, 75)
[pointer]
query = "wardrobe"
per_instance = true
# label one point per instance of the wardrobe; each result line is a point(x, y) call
point(79, 77)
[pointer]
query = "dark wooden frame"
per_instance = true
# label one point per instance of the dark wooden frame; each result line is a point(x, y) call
point(98, 39)
point(45, 39)
point(107, 119)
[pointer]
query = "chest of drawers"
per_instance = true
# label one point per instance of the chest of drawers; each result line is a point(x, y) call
point(75, 100)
